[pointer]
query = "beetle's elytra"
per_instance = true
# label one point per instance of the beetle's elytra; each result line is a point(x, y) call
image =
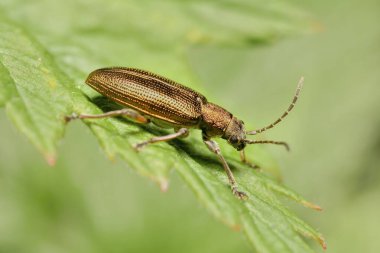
point(153, 98)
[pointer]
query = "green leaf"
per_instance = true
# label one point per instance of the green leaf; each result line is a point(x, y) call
point(33, 91)
point(41, 81)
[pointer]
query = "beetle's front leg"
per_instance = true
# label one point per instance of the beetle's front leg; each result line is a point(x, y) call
point(214, 147)
point(244, 160)
point(182, 132)
point(132, 114)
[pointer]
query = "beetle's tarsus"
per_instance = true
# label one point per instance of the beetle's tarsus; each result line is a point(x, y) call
point(138, 146)
point(239, 194)
point(71, 117)
point(253, 166)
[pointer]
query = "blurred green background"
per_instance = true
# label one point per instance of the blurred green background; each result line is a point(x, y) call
point(89, 204)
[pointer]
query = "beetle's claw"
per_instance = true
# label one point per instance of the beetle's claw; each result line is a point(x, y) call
point(138, 146)
point(253, 166)
point(239, 194)
point(69, 118)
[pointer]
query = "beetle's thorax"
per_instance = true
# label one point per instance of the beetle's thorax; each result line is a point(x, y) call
point(218, 122)
point(215, 120)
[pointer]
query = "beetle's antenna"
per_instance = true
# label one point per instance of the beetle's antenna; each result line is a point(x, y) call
point(268, 142)
point(299, 86)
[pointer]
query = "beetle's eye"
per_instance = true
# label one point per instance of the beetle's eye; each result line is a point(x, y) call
point(233, 139)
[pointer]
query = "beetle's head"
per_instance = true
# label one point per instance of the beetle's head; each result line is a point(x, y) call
point(235, 134)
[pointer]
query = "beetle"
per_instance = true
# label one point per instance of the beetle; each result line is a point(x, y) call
point(149, 97)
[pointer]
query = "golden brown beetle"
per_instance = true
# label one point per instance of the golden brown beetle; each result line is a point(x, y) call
point(153, 98)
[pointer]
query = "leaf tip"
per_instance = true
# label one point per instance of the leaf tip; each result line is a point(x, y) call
point(50, 159)
point(322, 242)
point(111, 157)
point(311, 205)
point(236, 227)
point(164, 185)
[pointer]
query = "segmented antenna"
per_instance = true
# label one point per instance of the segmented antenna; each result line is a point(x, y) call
point(269, 142)
point(295, 98)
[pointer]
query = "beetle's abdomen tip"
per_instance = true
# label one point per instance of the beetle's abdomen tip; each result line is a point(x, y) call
point(92, 76)
point(89, 78)
point(99, 78)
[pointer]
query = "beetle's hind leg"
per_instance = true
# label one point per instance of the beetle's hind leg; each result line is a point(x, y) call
point(132, 114)
point(182, 132)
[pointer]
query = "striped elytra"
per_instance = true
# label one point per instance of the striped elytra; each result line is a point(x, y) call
point(149, 94)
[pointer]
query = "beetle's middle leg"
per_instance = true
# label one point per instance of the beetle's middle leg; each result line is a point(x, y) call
point(214, 147)
point(122, 112)
point(182, 132)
